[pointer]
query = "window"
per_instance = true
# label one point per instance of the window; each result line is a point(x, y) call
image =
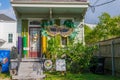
point(10, 38)
point(64, 40)
point(35, 23)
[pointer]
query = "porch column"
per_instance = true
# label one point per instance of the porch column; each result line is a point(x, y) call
point(25, 37)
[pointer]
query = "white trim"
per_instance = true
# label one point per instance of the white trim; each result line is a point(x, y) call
point(51, 5)
point(47, 2)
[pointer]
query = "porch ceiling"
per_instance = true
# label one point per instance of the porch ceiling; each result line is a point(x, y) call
point(36, 10)
point(53, 10)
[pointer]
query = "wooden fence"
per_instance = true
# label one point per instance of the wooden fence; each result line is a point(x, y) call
point(110, 49)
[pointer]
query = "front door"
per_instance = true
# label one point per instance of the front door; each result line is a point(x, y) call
point(35, 40)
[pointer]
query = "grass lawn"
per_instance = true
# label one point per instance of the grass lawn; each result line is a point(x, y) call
point(69, 76)
point(85, 76)
point(4, 76)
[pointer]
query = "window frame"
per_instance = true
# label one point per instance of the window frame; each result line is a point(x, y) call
point(66, 41)
point(10, 37)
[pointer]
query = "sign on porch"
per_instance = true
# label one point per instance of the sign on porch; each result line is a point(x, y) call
point(60, 65)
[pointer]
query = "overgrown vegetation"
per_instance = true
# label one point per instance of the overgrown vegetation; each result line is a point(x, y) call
point(80, 56)
point(108, 27)
point(77, 55)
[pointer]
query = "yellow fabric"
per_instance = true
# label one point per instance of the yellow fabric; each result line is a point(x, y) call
point(44, 44)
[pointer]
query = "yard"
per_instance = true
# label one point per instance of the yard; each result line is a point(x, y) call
point(4, 76)
point(84, 76)
point(69, 76)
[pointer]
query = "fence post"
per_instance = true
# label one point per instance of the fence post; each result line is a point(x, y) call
point(99, 53)
point(113, 60)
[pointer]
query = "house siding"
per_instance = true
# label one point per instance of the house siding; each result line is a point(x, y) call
point(5, 29)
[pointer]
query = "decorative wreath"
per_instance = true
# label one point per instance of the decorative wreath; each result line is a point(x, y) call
point(48, 64)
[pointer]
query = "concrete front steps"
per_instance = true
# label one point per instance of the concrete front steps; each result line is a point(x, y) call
point(30, 69)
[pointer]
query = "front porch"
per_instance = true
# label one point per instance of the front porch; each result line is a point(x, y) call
point(27, 69)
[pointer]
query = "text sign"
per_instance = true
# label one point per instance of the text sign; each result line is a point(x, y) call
point(60, 65)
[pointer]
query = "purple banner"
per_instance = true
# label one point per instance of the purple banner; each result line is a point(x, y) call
point(19, 45)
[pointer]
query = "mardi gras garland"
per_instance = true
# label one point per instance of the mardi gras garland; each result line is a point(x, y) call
point(66, 30)
point(69, 24)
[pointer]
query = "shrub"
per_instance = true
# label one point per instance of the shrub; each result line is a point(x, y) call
point(80, 56)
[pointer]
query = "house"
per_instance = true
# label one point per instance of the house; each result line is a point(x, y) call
point(92, 26)
point(8, 29)
point(38, 18)
point(39, 21)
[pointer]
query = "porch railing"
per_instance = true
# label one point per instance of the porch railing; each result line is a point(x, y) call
point(38, 1)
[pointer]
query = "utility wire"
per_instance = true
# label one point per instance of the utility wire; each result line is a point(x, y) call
point(93, 6)
point(96, 2)
point(104, 3)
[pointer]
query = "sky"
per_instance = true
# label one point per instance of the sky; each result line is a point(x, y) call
point(112, 8)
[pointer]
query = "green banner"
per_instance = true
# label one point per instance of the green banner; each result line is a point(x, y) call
point(24, 45)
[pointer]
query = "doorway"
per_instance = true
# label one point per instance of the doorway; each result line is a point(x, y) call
point(35, 42)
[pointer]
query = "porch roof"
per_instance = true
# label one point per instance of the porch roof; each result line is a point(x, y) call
point(51, 9)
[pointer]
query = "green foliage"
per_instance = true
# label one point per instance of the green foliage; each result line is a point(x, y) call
point(77, 55)
point(87, 33)
point(87, 30)
point(54, 47)
point(108, 27)
point(80, 56)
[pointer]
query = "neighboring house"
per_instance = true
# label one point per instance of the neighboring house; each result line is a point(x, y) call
point(37, 19)
point(91, 25)
point(8, 29)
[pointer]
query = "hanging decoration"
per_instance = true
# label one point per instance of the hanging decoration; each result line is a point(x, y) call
point(63, 31)
point(44, 44)
point(69, 24)
point(53, 30)
point(24, 45)
point(44, 32)
point(44, 23)
point(73, 35)
point(35, 37)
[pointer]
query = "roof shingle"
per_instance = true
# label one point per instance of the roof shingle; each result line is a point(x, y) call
point(5, 18)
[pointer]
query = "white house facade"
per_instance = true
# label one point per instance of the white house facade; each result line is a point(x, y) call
point(8, 32)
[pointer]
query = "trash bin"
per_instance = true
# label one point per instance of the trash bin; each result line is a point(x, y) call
point(100, 65)
point(4, 60)
point(97, 65)
point(14, 53)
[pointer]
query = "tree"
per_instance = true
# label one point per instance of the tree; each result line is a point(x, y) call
point(108, 27)
point(87, 33)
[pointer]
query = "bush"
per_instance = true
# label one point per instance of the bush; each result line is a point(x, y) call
point(80, 56)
